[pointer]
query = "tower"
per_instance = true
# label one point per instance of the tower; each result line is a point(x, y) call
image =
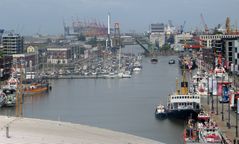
point(108, 40)
point(228, 27)
point(117, 39)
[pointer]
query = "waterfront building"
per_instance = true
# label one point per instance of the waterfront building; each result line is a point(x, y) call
point(231, 51)
point(26, 61)
point(59, 55)
point(181, 38)
point(157, 39)
point(12, 43)
point(5, 67)
point(77, 49)
point(1, 33)
point(210, 40)
point(157, 28)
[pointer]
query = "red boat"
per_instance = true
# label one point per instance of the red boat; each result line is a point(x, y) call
point(203, 116)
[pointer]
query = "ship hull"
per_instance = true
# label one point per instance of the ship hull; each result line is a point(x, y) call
point(183, 114)
point(161, 115)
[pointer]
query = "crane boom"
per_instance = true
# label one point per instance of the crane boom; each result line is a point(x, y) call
point(204, 24)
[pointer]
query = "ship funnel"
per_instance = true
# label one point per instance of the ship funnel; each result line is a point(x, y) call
point(184, 85)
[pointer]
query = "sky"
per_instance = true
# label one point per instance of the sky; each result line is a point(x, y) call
point(29, 17)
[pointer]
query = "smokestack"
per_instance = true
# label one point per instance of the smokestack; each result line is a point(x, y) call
point(108, 23)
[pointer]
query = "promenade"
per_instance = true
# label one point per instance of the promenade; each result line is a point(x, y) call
point(221, 113)
point(216, 115)
point(35, 131)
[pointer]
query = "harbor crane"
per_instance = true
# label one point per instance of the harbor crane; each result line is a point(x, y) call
point(182, 27)
point(206, 30)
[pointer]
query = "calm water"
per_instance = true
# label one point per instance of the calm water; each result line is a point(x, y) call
point(125, 105)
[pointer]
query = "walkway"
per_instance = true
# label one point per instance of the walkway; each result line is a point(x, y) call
point(34, 131)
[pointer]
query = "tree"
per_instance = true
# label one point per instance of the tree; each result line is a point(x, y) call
point(1, 54)
point(166, 47)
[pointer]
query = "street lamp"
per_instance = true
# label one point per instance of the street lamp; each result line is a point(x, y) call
point(237, 118)
point(217, 105)
point(223, 88)
point(208, 91)
point(229, 113)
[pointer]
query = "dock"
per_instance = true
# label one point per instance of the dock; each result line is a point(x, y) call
point(19, 130)
point(77, 77)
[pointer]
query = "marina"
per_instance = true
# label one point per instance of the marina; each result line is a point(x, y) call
point(113, 94)
point(102, 81)
point(119, 107)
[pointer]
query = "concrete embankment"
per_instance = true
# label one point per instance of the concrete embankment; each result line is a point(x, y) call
point(35, 131)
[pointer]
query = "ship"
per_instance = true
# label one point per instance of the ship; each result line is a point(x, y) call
point(160, 112)
point(202, 132)
point(154, 60)
point(183, 104)
point(38, 87)
point(187, 62)
point(171, 61)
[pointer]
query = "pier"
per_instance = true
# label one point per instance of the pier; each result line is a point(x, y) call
point(16, 130)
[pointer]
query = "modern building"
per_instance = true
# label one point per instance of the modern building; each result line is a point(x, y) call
point(209, 40)
point(231, 52)
point(12, 43)
point(157, 28)
point(1, 33)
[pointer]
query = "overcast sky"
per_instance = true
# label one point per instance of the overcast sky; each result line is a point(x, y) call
point(46, 16)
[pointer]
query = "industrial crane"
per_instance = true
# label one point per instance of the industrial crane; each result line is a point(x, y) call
point(182, 27)
point(206, 30)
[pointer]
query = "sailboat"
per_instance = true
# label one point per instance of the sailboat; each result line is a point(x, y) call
point(122, 73)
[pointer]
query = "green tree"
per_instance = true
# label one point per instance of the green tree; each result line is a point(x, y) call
point(1, 54)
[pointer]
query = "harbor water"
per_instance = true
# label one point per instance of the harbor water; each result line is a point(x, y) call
point(125, 105)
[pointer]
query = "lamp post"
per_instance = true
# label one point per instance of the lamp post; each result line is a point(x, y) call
point(222, 95)
point(208, 91)
point(222, 105)
point(229, 118)
point(211, 95)
point(217, 106)
point(237, 118)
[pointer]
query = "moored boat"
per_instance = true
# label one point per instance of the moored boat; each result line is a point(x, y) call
point(171, 61)
point(10, 97)
point(183, 104)
point(190, 133)
point(210, 133)
point(2, 98)
point(35, 88)
point(160, 112)
point(203, 116)
point(154, 60)
point(187, 62)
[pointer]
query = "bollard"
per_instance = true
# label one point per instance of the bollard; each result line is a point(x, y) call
point(7, 131)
